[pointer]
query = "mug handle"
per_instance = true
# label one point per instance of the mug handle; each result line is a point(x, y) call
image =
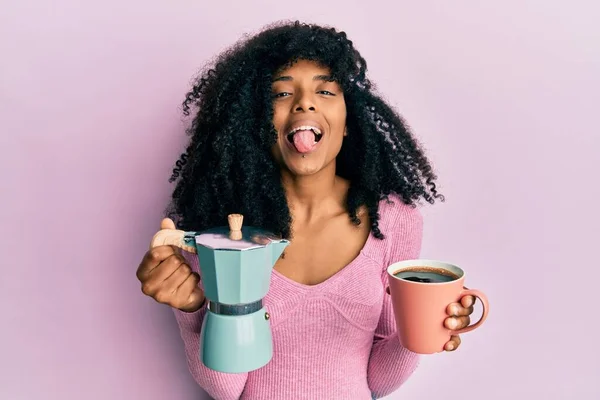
point(484, 301)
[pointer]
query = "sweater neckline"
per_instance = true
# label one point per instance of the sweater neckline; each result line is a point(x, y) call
point(338, 275)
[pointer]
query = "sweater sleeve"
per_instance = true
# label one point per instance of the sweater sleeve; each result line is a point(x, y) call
point(390, 364)
point(220, 386)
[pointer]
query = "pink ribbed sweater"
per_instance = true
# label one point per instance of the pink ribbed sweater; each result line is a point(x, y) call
point(334, 340)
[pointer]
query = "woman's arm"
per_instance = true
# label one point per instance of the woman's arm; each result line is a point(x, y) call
point(390, 364)
point(218, 385)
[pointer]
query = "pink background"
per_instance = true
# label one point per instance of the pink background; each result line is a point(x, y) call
point(503, 95)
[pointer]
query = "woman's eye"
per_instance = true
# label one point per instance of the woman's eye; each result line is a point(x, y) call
point(282, 94)
point(326, 92)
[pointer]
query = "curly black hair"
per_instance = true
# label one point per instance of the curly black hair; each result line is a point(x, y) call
point(228, 166)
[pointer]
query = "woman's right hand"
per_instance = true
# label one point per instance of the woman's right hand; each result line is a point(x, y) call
point(168, 279)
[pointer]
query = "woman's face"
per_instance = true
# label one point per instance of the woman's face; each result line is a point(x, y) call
point(309, 116)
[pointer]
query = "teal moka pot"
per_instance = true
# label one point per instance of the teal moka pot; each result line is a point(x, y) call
point(236, 263)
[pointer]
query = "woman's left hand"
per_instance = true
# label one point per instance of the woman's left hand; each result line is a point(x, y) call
point(459, 317)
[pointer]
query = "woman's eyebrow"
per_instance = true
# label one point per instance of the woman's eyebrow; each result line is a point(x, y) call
point(287, 78)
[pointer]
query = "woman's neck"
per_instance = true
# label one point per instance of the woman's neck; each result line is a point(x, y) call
point(312, 197)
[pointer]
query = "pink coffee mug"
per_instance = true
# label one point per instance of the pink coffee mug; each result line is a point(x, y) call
point(420, 307)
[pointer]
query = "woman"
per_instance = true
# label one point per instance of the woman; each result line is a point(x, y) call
point(289, 133)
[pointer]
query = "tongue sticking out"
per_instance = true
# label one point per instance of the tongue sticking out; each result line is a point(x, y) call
point(304, 141)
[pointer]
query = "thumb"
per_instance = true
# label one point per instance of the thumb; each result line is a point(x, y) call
point(167, 223)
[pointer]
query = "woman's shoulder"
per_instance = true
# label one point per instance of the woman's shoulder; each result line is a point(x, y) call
point(402, 227)
point(396, 215)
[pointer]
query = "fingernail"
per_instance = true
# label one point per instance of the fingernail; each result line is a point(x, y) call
point(450, 346)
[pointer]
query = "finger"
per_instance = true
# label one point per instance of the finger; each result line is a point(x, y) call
point(457, 310)
point(167, 268)
point(189, 296)
point(177, 278)
point(453, 343)
point(455, 323)
point(467, 301)
point(190, 283)
point(154, 282)
point(167, 223)
point(152, 259)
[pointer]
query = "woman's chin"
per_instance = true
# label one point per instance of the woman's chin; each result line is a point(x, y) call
point(305, 170)
point(306, 166)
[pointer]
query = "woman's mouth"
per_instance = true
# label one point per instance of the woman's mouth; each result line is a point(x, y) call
point(304, 138)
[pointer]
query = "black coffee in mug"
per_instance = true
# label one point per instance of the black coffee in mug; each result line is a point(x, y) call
point(426, 275)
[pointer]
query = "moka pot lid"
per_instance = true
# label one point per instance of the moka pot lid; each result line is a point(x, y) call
point(235, 237)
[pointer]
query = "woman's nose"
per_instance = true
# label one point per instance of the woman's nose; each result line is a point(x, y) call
point(305, 103)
